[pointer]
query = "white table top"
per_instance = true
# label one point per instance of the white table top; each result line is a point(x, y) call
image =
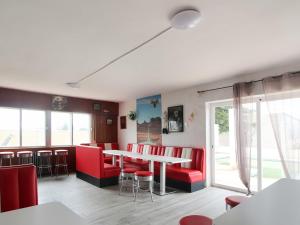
point(278, 204)
point(156, 158)
point(46, 214)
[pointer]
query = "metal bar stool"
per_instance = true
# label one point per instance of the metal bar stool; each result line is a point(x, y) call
point(195, 219)
point(44, 161)
point(143, 176)
point(234, 200)
point(127, 176)
point(61, 156)
point(4, 156)
point(25, 157)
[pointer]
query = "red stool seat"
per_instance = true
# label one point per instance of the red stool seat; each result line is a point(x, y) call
point(143, 173)
point(129, 170)
point(61, 152)
point(234, 200)
point(195, 220)
point(24, 153)
point(44, 153)
point(7, 154)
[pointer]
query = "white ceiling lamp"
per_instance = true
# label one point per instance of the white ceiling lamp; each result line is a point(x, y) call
point(184, 19)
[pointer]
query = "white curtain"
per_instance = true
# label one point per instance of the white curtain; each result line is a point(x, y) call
point(245, 129)
point(282, 94)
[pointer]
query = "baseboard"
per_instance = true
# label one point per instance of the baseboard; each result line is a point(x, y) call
point(98, 182)
point(188, 187)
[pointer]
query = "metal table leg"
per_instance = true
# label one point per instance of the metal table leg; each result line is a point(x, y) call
point(114, 160)
point(162, 190)
point(121, 162)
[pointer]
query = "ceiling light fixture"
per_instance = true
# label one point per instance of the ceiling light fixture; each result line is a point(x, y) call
point(184, 19)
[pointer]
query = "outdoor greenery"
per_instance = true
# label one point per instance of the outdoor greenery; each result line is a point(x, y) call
point(222, 119)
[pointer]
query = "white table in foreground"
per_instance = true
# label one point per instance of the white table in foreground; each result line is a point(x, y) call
point(151, 158)
point(278, 204)
point(46, 214)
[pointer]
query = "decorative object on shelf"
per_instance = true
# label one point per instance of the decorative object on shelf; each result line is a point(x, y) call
point(123, 122)
point(132, 115)
point(149, 120)
point(97, 107)
point(106, 111)
point(109, 121)
point(175, 118)
point(59, 102)
point(165, 131)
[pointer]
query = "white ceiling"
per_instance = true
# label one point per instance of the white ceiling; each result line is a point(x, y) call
point(44, 44)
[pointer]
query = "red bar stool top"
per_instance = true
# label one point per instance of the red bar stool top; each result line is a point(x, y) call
point(61, 152)
point(235, 200)
point(143, 173)
point(24, 153)
point(129, 170)
point(195, 220)
point(44, 152)
point(6, 154)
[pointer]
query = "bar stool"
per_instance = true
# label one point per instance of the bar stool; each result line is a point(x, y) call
point(195, 220)
point(44, 161)
point(61, 156)
point(24, 157)
point(4, 156)
point(143, 176)
point(127, 175)
point(234, 200)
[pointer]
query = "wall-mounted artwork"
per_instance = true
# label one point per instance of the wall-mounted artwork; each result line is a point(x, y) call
point(175, 118)
point(149, 120)
point(123, 122)
point(59, 102)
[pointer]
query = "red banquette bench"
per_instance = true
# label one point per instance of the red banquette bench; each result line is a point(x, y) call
point(90, 166)
point(186, 176)
point(18, 187)
point(105, 146)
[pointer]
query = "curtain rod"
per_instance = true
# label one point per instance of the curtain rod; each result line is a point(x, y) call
point(229, 86)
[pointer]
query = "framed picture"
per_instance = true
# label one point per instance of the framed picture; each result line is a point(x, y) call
point(109, 121)
point(123, 122)
point(175, 118)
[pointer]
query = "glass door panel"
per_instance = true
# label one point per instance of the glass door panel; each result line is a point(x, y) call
point(225, 171)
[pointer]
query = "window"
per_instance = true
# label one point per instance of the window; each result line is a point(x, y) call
point(9, 127)
point(33, 128)
point(81, 128)
point(61, 128)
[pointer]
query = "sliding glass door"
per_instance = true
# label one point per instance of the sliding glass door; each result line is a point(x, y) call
point(265, 163)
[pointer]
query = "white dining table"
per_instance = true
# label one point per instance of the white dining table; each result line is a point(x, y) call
point(163, 160)
point(279, 204)
point(45, 214)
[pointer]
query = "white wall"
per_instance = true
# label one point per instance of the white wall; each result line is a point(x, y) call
point(195, 132)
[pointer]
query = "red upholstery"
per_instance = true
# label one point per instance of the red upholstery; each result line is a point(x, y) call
point(107, 158)
point(192, 174)
point(143, 173)
point(195, 220)
point(18, 187)
point(129, 170)
point(235, 200)
point(90, 161)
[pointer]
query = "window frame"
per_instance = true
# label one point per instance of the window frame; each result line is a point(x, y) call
point(48, 128)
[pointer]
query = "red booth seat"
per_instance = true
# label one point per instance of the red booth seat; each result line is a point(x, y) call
point(105, 146)
point(90, 166)
point(18, 187)
point(186, 176)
